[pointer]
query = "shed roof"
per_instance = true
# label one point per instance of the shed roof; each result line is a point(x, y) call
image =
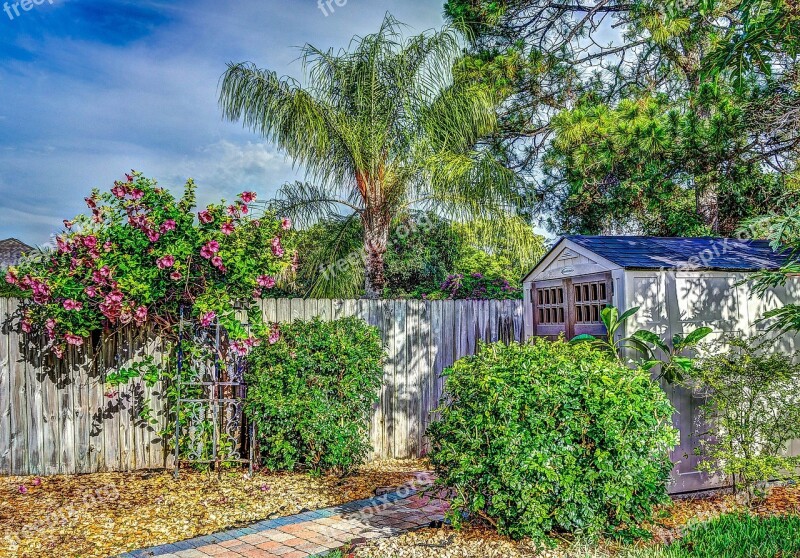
point(703, 253)
point(11, 250)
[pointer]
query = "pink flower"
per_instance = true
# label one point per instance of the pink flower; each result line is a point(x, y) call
point(274, 336)
point(129, 177)
point(244, 209)
point(206, 252)
point(63, 245)
point(58, 350)
point(27, 326)
point(286, 223)
point(90, 291)
point(73, 340)
point(114, 296)
point(207, 319)
point(70, 304)
point(107, 247)
point(277, 249)
point(90, 202)
point(166, 262)
point(22, 489)
point(248, 197)
point(36, 482)
point(213, 245)
point(266, 281)
point(125, 318)
point(232, 210)
point(216, 261)
point(175, 275)
point(11, 278)
point(264, 488)
point(228, 228)
point(168, 225)
point(140, 316)
point(153, 236)
point(137, 194)
point(90, 241)
point(119, 191)
point(50, 324)
point(257, 293)
point(68, 224)
point(205, 216)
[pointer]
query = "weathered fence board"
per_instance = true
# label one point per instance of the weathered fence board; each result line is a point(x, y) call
point(60, 417)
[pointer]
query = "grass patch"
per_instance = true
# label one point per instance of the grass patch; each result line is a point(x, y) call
point(734, 536)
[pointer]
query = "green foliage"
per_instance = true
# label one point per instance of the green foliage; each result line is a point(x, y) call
point(425, 252)
point(673, 361)
point(752, 411)
point(552, 436)
point(683, 125)
point(379, 128)
point(783, 231)
point(310, 395)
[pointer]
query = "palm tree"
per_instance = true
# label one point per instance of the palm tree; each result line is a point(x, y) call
point(378, 128)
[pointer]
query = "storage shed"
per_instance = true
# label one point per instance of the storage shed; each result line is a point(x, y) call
point(678, 283)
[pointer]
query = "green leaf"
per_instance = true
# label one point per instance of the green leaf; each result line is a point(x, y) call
point(583, 337)
point(696, 336)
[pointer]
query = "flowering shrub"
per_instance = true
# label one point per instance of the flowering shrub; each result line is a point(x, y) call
point(141, 255)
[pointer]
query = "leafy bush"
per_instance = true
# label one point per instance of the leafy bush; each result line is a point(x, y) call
point(552, 436)
point(311, 394)
point(752, 411)
point(476, 286)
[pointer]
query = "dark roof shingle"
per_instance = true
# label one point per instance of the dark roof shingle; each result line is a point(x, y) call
point(11, 250)
point(648, 252)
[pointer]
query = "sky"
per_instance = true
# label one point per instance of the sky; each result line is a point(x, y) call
point(92, 89)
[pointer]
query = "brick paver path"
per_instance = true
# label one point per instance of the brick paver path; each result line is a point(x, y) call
point(317, 533)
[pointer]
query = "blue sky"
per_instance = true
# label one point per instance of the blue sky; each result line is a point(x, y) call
point(91, 89)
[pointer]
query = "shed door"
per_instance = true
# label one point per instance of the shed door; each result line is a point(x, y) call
point(550, 308)
point(590, 294)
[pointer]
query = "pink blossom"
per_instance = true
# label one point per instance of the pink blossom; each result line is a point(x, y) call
point(114, 296)
point(244, 209)
point(257, 293)
point(175, 276)
point(73, 339)
point(277, 249)
point(90, 291)
point(266, 281)
point(70, 304)
point(63, 245)
point(140, 316)
point(286, 223)
point(232, 210)
point(125, 318)
point(248, 197)
point(274, 336)
point(153, 236)
point(50, 324)
point(168, 225)
point(97, 217)
point(90, 202)
point(129, 177)
point(58, 350)
point(119, 191)
point(22, 489)
point(68, 224)
point(36, 482)
point(213, 245)
point(137, 194)
point(205, 216)
point(228, 228)
point(90, 241)
point(166, 262)
point(207, 319)
point(94, 254)
point(11, 277)
point(27, 326)
point(216, 261)
point(206, 252)
point(107, 247)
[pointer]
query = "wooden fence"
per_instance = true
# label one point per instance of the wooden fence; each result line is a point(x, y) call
point(59, 417)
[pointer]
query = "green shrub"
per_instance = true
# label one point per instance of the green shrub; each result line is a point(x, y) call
point(552, 436)
point(752, 411)
point(311, 394)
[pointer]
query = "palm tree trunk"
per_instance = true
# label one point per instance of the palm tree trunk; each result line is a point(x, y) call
point(376, 239)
